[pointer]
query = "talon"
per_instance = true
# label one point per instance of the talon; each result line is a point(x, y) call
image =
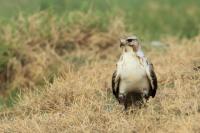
point(121, 98)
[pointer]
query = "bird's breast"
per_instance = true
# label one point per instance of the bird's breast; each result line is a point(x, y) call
point(132, 72)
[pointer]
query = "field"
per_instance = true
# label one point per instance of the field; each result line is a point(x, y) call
point(57, 59)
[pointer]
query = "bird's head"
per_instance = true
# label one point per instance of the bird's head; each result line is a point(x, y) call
point(130, 43)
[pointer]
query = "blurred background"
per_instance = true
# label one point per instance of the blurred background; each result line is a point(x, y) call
point(39, 37)
point(148, 18)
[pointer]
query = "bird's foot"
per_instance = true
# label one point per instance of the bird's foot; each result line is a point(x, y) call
point(121, 98)
point(145, 96)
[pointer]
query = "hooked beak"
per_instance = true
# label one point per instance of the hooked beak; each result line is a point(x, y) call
point(122, 42)
point(133, 44)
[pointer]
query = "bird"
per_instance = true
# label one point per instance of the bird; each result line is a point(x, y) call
point(134, 79)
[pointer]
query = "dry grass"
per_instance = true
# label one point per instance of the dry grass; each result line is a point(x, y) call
point(81, 101)
point(42, 43)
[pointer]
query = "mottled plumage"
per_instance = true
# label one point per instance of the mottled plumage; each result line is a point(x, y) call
point(134, 77)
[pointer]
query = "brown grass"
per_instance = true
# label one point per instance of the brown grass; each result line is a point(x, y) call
point(42, 43)
point(81, 101)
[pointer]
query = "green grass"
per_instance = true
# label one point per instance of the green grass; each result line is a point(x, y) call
point(4, 56)
point(150, 19)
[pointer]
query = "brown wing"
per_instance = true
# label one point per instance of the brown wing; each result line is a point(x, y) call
point(152, 78)
point(115, 84)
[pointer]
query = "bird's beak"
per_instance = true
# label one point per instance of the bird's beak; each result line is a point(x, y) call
point(133, 44)
point(122, 42)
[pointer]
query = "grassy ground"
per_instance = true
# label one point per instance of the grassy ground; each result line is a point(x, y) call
point(81, 101)
point(49, 50)
point(149, 18)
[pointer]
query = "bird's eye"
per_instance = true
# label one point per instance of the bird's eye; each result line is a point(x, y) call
point(129, 40)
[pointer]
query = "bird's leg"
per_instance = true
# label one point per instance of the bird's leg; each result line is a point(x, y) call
point(125, 103)
point(123, 100)
point(146, 95)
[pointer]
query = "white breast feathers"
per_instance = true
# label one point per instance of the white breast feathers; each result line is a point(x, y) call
point(132, 73)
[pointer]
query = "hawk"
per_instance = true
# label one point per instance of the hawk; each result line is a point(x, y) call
point(134, 78)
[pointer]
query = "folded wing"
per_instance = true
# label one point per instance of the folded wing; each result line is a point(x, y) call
point(115, 84)
point(151, 77)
